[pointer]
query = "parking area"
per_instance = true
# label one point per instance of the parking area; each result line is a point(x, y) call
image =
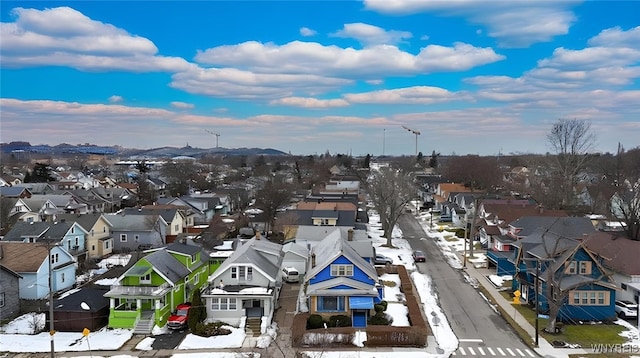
point(287, 305)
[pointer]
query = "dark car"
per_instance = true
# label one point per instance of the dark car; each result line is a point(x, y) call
point(418, 256)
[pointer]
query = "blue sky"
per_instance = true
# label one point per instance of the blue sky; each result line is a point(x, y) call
point(479, 77)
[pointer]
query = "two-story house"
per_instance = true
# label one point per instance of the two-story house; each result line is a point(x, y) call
point(41, 267)
point(563, 277)
point(171, 215)
point(246, 286)
point(136, 232)
point(340, 281)
point(99, 239)
point(68, 234)
point(150, 290)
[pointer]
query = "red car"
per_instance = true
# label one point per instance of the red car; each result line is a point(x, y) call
point(418, 256)
point(178, 320)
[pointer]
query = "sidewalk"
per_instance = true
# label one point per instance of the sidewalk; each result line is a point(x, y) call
point(545, 349)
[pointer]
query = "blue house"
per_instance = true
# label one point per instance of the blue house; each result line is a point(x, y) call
point(340, 281)
point(68, 234)
point(571, 280)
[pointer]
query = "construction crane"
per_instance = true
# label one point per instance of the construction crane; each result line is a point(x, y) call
point(417, 133)
point(215, 134)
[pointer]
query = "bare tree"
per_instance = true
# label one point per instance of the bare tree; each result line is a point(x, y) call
point(274, 195)
point(287, 224)
point(474, 171)
point(571, 140)
point(626, 208)
point(390, 191)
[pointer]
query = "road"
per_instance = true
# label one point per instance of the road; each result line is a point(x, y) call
point(480, 330)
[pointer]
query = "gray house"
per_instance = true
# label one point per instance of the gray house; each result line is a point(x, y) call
point(9, 292)
point(136, 232)
point(246, 285)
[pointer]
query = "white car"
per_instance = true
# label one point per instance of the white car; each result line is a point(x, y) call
point(626, 309)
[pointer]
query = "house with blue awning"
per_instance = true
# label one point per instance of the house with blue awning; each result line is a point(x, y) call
point(341, 280)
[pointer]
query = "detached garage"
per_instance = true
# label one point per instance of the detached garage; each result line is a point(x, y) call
point(85, 308)
point(295, 256)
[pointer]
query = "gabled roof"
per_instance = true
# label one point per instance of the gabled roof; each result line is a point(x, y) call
point(130, 222)
point(619, 253)
point(571, 227)
point(331, 248)
point(13, 191)
point(263, 255)
point(87, 221)
point(296, 249)
point(49, 230)
point(165, 265)
point(167, 213)
point(326, 288)
point(23, 257)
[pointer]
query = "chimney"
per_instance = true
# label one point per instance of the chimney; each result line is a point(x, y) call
point(313, 260)
point(257, 235)
point(350, 235)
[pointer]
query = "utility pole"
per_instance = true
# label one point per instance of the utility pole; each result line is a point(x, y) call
point(215, 134)
point(416, 133)
point(384, 136)
point(51, 325)
point(476, 201)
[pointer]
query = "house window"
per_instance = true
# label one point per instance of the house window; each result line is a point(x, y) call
point(342, 270)
point(590, 298)
point(146, 278)
point(93, 247)
point(77, 241)
point(196, 278)
point(324, 222)
point(136, 238)
point(244, 273)
point(104, 229)
point(331, 304)
point(92, 232)
point(1, 299)
point(234, 272)
point(571, 268)
point(585, 267)
point(193, 259)
point(123, 237)
point(223, 304)
point(62, 276)
point(106, 244)
point(72, 230)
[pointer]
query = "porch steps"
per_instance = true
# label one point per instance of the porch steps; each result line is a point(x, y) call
point(145, 324)
point(252, 327)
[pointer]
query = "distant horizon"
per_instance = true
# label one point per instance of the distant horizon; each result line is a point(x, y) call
point(359, 77)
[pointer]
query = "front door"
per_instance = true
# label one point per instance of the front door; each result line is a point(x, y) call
point(359, 318)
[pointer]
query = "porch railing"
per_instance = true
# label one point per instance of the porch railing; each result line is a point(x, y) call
point(139, 290)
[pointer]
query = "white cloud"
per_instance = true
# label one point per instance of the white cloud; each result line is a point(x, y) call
point(424, 37)
point(234, 83)
point(182, 105)
point(514, 24)
point(115, 99)
point(65, 37)
point(372, 35)
point(408, 95)
point(368, 63)
point(616, 37)
point(306, 32)
point(310, 102)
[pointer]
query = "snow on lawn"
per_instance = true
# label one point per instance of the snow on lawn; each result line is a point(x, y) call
point(500, 280)
point(360, 354)
point(18, 336)
point(233, 340)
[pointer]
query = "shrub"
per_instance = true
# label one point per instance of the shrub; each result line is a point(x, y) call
point(315, 321)
point(384, 304)
point(379, 308)
point(211, 329)
point(340, 321)
point(197, 312)
point(379, 320)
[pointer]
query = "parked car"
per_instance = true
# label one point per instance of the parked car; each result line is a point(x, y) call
point(626, 309)
point(418, 256)
point(290, 274)
point(178, 319)
point(382, 260)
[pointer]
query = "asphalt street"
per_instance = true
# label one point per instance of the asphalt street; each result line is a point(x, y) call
point(477, 325)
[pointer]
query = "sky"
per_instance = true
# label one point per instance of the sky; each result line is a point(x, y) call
point(18, 335)
point(379, 77)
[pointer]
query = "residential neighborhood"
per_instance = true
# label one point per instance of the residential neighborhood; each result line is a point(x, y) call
point(252, 247)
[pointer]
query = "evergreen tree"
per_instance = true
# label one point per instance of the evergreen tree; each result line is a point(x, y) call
point(197, 312)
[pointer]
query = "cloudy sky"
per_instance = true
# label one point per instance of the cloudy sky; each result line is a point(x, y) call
point(306, 77)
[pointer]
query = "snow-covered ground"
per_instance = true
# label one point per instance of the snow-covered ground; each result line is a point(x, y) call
point(18, 335)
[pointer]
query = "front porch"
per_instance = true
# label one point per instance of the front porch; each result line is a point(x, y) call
point(138, 307)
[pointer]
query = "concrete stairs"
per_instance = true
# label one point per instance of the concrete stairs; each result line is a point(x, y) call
point(145, 324)
point(252, 327)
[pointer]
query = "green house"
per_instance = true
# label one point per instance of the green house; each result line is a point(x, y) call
point(150, 290)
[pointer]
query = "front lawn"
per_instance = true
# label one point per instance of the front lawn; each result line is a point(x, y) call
point(583, 334)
